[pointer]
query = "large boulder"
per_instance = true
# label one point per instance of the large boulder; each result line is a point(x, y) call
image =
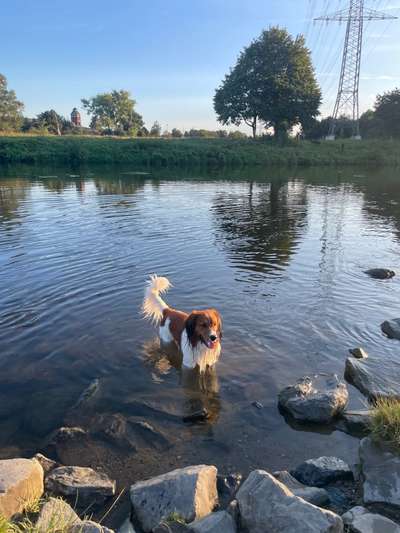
point(191, 492)
point(82, 483)
point(88, 526)
point(374, 377)
point(314, 495)
point(268, 506)
point(321, 471)
point(21, 482)
point(360, 520)
point(380, 273)
point(381, 473)
point(56, 515)
point(221, 522)
point(391, 328)
point(318, 399)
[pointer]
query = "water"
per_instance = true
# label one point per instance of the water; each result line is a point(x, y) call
point(281, 254)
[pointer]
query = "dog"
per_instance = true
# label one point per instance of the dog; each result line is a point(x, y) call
point(198, 335)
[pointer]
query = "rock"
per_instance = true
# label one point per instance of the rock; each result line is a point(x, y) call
point(380, 273)
point(316, 399)
point(126, 527)
point(47, 464)
point(321, 471)
point(21, 481)
point(381, 473)
point(87, 526)
point(314, 495)
point(355, 423)
point(56, 515)
point(79, 482)
point(268, 506)
point(360, 520)
point(191, 492)
point(258, 405)
point(233, 510)
point(221, 522)
point(358, 353)
point(196, 416)
point(391, 328)
point(65, 433)
point(227, 486)
point(171, 527)
point(374, 377)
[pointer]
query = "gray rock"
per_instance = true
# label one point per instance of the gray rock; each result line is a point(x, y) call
point(221, 522)
point(374, 377)
point(321, 471)
point(314, 495)
point(268, 506)
point(391, 328)
point(56, 515)
point(47, 464)
point(380, 273)
point(67, 433)
point(381, 472)
point(359, 353)
point(319, 398)
point(233, 510)
point(360, 520)
point(126, 527)
point(355, 423)
point(79, 482)
point(21, 481)
point(191, 492)
point(87, 526)
point(171, 527)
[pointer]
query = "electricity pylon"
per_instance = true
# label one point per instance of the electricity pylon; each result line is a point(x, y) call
point(347, 96)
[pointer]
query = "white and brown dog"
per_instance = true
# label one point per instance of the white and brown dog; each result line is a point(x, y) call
point(198, 334)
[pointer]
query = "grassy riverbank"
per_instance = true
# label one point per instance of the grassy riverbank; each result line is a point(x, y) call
point(185, 152)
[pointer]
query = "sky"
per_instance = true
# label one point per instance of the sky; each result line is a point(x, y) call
point(172, 54)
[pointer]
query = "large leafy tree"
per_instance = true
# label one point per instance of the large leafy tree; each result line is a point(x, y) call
point(272, 81)
point(114, 112)
point(387, 112)
point(10, 107)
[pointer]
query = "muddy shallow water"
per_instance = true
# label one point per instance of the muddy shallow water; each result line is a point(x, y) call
point(280, 253)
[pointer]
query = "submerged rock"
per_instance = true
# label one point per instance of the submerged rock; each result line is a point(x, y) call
point(374, 377)
point(319, 398)
point(321, 471)
point(314, 495)
point(191, 492)
point(381, 472)
point(80, 482)
point(21, 481)
point(391, 328)
point(355, 423)
point(221, 522)
point(358, 353)
point(360, 520)
point(380, 273)
point(268, 506)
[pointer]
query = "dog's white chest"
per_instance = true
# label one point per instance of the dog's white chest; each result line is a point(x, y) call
point(198, 355)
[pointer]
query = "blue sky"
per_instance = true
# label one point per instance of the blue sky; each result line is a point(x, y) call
point(171, 54)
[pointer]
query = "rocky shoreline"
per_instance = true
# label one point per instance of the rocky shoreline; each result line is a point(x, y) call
point(321, 495)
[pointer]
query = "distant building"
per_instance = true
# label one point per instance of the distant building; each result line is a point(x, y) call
point(76, 118)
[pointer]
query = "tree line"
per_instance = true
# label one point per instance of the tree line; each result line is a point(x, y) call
point(272, 88)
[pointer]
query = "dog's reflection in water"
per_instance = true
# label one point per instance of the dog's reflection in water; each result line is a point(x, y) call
point(201, 389)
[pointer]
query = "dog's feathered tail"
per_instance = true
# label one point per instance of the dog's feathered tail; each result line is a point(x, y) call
point(153, 305)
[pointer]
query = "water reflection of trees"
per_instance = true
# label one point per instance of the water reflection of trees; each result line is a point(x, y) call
point(259, 224)
point(12, 194)
point(119, 185)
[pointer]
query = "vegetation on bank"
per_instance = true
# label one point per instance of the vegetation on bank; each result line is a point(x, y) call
point(385, 422)
point(189, 152)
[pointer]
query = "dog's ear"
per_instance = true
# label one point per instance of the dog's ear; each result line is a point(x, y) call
point(218, 320)
point(190, 327)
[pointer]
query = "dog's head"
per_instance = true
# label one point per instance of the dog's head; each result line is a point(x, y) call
point(204, 326)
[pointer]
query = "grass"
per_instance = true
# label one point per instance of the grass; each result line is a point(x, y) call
point(385, 422)
point(149, 152)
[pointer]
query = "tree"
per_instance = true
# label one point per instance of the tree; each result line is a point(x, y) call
point(114, 112)
point(387, 111)
point(273, 81)
point(176, 133)
point(155, 130)
point(10, 107)
point(50, 121)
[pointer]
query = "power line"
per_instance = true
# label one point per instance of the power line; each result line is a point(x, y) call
point(347, 99)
